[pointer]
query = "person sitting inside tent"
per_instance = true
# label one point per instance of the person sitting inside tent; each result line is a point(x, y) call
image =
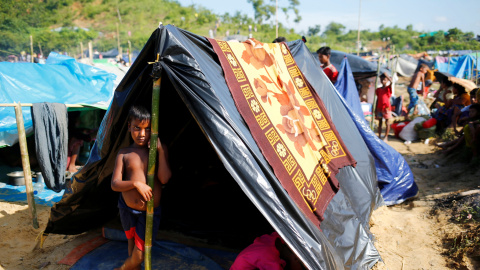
point(383, 108)
point(324, 54)
point(130, 178)
point(471, 133)
point(268, 252)
point(76, 138)
point(418, 77)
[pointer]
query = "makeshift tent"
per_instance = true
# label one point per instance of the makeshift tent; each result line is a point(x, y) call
point(395, 178)
point(60, 80)
point(202, 199)
point(403, 67)
point(464, 67)
point(361, 68)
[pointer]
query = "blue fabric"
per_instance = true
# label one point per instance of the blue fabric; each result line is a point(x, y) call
point(60, 80)
point(395, 179)
point(42, 194)
point(412, 93)
point(460, 67)
point(165, 255)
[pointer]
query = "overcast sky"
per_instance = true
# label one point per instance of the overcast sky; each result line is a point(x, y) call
point(424, 15)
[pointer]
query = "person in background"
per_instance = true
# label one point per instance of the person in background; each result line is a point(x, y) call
point(383, 108)
point(268, 252)
point(324, 54)
point(418, 77)
point(279, 39)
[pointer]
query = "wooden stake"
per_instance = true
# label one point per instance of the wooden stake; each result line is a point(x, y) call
point(31, 48)
point(22, 140)
point(375, 96)
point(129, 52)
point(90, 51)
point(152, 161)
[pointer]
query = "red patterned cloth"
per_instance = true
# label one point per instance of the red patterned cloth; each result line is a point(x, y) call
point(287, 119)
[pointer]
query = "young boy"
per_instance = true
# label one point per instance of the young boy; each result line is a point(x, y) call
point(383, 108)
point(418, 77)
point(130, 178)
point(324, 54)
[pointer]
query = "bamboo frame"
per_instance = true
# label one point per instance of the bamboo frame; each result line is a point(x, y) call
point(375, 96)
point(152, 160)
point(31, 104)
point(22, 140)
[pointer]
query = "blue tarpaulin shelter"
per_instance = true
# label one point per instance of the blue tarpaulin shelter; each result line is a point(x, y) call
point(461, 67)
point(60, 80)
point(395, 178)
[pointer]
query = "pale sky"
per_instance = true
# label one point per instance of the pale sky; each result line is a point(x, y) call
point(424, 15)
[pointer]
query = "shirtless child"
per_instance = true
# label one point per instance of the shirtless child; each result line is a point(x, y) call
point(130, 178)
point(418, 77)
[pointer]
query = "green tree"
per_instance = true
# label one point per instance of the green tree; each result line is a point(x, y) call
point(334, 29)
point(264, 10)
point(313, 31)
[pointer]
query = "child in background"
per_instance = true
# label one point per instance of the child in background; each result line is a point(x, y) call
point(329, 69)
point(418, 77)
point(130, 178)
point(383, 108)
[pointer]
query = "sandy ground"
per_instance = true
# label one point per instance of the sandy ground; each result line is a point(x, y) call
point(407, 235)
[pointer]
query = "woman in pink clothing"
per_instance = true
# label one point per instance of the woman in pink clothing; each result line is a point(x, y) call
point(268, 252)
point(329, 69)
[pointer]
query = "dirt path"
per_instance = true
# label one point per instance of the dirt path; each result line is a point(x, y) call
point(408, 236)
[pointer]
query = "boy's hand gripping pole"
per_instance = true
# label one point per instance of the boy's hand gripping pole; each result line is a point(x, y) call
point(152, 157)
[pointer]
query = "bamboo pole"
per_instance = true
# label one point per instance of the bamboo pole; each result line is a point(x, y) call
point(22, 140)
point(152, 161)
point(31, 104)
point(394, 71)
point(375, 96)
point(476, 75)
point(129, 53)
point(448, 67)
point(31, 48)
point(90, 51)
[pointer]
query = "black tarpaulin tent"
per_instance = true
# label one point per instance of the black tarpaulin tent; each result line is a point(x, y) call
point(222, 186)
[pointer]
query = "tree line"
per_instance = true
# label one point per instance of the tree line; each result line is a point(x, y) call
point(61, 25)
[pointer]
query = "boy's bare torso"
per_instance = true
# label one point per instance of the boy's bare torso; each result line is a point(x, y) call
point(416, 79)
point(135, 163)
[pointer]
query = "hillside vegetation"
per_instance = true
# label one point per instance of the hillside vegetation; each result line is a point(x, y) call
point(62, 25)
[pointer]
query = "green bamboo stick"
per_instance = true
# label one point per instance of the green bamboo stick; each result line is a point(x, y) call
point(152, 161)
point(22, 140)
point(375, 96)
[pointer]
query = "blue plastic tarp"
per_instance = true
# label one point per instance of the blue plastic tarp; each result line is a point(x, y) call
point(395, 179)
point(460, 67)
point(60, 80)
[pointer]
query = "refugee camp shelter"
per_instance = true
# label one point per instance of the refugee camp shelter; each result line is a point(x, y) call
point(222, 188)
point(60, 80)
point(395, 178)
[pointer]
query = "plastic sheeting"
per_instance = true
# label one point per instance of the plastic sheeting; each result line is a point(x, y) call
point(395, 178)
point(404, 67)
point(192, 68)
point(461, 67)
point(60, 80)
point(361, 68)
